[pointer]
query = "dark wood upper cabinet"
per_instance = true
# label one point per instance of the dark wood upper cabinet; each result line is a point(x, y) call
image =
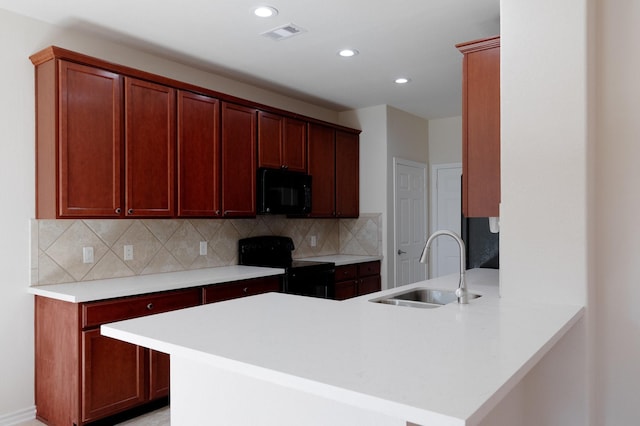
point(86, 179)
point(347, 174)
point(114, 142)
point(198, 155)
point(238, 160)
point(295, 144)
point(150, 116)
point(481, 127)
point(334, 169)
point(282, 142)
point(321, 152)
point(270, 135)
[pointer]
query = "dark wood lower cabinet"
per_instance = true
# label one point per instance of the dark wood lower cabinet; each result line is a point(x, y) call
point(158, 375)
point(113, 375)
point(82, 376)
point(357, 279)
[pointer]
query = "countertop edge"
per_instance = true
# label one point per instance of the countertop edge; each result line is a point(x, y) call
point(89, 291)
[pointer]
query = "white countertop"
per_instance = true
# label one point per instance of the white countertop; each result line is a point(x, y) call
point(343, 259)
point(88, 291)
point(450, 365)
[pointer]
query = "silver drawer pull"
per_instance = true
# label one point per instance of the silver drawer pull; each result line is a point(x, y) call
point(150, 306)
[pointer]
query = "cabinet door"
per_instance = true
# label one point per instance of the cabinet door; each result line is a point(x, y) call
point(270, 136)
point(238, 161)
point(368, 285)
point(158, 374)
point(198, 155)
point(150, 148)
point(90, 142)
point(481, 128)
point(282, 142)
point(294, 145)
point(112, 375)
point(347, 174)
point(346, 289)
point(321, 153)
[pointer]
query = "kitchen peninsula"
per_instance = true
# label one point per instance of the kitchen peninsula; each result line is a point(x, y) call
point(278, 359)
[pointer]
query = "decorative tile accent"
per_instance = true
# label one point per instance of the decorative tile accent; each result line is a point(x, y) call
point(167, 245)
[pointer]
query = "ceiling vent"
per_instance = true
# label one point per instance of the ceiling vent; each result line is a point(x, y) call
point(284, 31)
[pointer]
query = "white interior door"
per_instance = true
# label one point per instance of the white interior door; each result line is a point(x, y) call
point(410, 180)
point(445, 214)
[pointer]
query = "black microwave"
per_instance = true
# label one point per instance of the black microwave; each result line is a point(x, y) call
point(280, 191)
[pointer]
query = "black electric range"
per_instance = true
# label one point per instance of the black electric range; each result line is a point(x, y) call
point(301, 277)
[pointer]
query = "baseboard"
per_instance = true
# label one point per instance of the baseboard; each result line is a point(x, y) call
point(18, 417)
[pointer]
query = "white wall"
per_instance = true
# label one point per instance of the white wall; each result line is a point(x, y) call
point(546, 231)
point(617, 206)
point(19, 38)
point(445, 140)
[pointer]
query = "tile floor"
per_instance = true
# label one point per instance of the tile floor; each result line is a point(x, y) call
point(159, 417)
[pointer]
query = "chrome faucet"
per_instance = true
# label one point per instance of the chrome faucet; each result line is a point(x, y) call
point(461, 292)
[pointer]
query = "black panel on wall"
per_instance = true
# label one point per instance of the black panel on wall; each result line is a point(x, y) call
point(483, 249)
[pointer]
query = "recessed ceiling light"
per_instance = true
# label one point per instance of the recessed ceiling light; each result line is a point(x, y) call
point(402, 80)
point(347, 53)
point(265, 11)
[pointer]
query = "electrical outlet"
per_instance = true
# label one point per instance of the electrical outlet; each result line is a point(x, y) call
point(128, 252)
point(87, 254)
point(314, 241)
point(203, 248)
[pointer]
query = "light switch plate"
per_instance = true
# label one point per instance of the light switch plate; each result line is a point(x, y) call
point(203, 248)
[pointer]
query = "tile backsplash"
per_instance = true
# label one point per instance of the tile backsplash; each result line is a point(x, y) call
point(170, 245)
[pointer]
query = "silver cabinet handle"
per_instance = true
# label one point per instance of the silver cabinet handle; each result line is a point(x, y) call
point(401, 252)
point(118, 210)
point(150, 306)
point(130, 211)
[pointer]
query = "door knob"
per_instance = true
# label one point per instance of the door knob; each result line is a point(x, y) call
point(401, 252)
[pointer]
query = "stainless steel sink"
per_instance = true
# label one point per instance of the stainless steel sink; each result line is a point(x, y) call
point(424, 298)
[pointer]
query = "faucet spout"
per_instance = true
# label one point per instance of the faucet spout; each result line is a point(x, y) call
point(461, 292)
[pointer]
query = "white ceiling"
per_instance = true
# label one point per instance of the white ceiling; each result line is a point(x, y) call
point(413, 38)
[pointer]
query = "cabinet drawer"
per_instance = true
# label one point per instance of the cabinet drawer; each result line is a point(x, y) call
point(220, 292)
point(369, 268)
point(96, 313)
point(346, 272)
